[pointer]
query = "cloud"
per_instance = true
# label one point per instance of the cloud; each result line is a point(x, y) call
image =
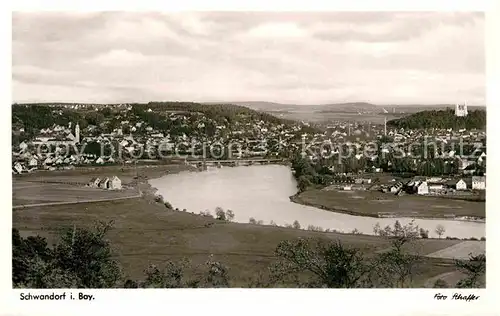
point(382, 57)
point(277, 30)
point(119, 58)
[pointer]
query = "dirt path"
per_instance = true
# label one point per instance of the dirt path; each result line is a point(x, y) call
point(451, 278)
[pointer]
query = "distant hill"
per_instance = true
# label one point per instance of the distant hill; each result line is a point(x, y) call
point(348, 107)
point(476, 119)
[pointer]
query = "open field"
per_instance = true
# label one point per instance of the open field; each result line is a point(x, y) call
point(460, 250)
point(371, 203)
point(26, 193)
point(146, 232)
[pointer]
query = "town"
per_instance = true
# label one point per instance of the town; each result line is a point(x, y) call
point(353, 154)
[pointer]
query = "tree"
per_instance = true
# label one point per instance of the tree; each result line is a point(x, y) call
point(296, 224)
point(229, 215)
point(81, 258)
point(252, 221)
point(87, 254)
point(396, 266)
point(474, 268)
point(217, 275)
point(424, 233)
point(440, 230)
point(220, 214)
point(328, 264)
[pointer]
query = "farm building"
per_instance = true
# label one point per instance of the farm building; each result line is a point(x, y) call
point(94, 182)
point(104, 184)
point(115, 183)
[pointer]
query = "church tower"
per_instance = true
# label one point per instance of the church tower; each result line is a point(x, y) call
point(461, 110)
point(77, 133)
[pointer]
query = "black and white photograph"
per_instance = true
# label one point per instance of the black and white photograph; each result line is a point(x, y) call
point(249, 149)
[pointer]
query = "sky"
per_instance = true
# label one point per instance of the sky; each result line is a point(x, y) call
point(294, 57)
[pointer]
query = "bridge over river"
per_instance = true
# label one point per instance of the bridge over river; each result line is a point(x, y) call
point(234, 162)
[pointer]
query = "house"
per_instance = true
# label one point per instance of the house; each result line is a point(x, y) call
point(104, 184)
point(478, 183)
point(33, 162)
point(435, 180)
point(397, 187)
point(470, 169)
point(115, 183)
point(94, 182)
point(422, 188)
point(460, 184)
point(18, 168)
point(23, 146)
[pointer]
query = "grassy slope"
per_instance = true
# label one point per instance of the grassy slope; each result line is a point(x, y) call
point(145, 232)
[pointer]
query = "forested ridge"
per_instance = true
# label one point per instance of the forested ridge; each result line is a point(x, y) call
point(441, 119)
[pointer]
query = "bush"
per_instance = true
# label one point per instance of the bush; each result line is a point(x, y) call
point(483, 238)
point(159, 199)
point(356, 231)
point(440, 284)
point(252, 220)
point(169, 206)
point(273, 223)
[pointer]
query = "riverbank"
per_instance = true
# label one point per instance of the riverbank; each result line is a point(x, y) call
point(383, 205)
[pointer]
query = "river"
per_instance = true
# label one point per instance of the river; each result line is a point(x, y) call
point(263, 192)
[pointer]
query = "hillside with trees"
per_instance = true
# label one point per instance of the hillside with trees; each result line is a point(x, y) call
point(441, 119)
